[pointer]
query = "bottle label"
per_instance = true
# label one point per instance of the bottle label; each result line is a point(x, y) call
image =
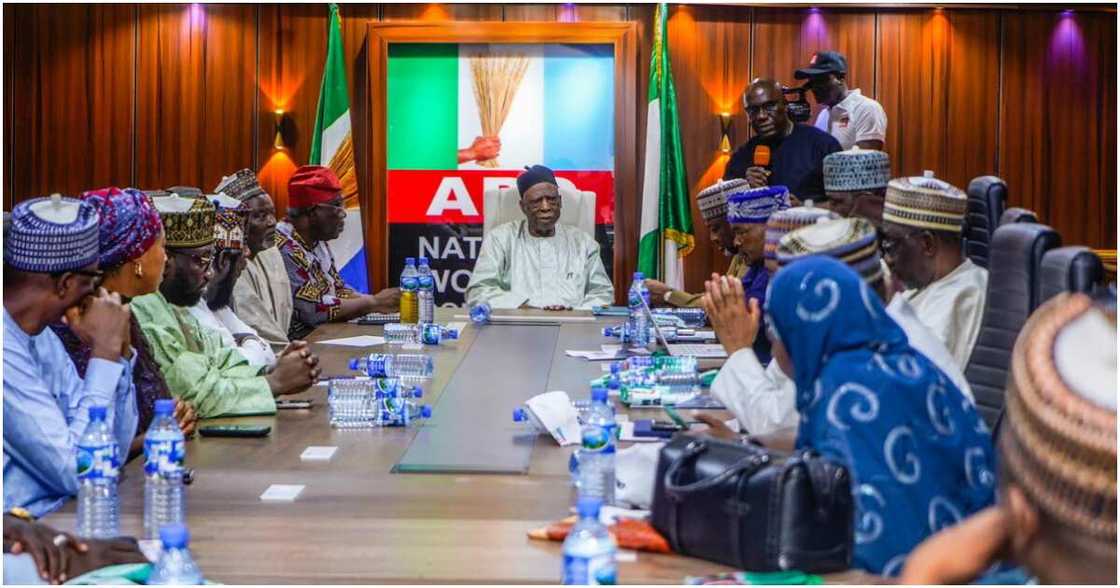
point(410, 283)
point(163, 456)
point(590, 571)
point(598, 439)
point(425, 282)
point(99, 463)
point(430, 334)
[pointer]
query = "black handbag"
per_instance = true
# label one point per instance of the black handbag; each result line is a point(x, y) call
point(744, 507)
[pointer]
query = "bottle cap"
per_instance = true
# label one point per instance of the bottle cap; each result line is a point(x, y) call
point(588, 507)
point(410, 261)
point(355, 362)
point(451, 333)
point(422, 260)
point(608, 331)
point(639, 276)
point(425, 411)
point(165, 406)
point(174, 536)
point(598, 394)
point(417, 392)
point(98, 413)
point(519, 415)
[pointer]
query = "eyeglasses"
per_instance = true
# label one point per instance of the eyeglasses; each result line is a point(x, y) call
point(889, 244)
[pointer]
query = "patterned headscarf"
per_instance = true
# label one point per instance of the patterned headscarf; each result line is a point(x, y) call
point(919, 454)
point(129, 224)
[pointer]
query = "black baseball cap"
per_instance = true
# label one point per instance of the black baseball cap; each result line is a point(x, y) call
point(822, 63)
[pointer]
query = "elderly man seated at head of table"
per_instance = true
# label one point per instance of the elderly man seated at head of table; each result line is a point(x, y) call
point(198, 366)
point(317, 214)
point(536, 262)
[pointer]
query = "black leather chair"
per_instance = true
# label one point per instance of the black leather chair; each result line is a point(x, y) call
point(1018, 215)
point(1069, 269)
point(987, 196)
point(1013, 293)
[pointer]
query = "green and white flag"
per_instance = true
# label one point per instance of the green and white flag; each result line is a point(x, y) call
point(332, 146)
point(666, 228)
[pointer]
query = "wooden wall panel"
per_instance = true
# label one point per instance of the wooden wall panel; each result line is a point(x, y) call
point(72, 79)
point(1058, 137)
point(441, 12)
point(196, 93)
point(972, 111)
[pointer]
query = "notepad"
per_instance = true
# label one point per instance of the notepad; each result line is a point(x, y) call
point(318, 453)
point(282, 492)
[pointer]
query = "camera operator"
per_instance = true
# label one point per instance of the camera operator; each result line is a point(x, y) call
point(782, 152)
point(851, 117)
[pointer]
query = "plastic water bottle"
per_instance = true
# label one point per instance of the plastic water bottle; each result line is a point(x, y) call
point(99, 466)
point(163, 471)
point(175, 565)
point(638, 323)
point(386, 365)
point(596, 461)
point(350, 403)
point(480, 313)
point(426, 293)
point(400, 334)
point(589, 550)
point(432, 334)
point(410, 283)
point(395, 407)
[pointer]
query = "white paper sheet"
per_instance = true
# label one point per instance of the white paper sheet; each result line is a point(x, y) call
point(359, 341)
point(318, 453)
point(282, 492)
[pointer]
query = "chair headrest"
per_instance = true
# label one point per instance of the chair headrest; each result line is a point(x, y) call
point(1018, 215)
point(1069, 269)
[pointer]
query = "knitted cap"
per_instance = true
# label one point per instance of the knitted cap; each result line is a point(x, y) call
point(925, 203)
point(850, 240)
point(187, 222)
point(712, 200)
point(1058, 440)
point(856, 169)
point(746, 206)
point(790, 219)
point(48, 235)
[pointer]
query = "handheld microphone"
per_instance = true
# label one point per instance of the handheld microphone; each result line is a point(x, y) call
point(762, 156)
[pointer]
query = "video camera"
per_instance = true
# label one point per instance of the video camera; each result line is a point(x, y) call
point(797, 106)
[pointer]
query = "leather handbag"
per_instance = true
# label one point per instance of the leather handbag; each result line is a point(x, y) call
point(744, 507)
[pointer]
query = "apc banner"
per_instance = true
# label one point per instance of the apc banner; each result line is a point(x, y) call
point(464, 119)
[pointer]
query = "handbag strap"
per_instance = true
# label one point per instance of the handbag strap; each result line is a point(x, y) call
point(677, 492)
point(822, 483)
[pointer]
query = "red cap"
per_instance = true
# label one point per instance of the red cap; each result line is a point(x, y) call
point(311, 185)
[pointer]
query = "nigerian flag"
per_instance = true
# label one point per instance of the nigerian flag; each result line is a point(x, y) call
point(666, 229)
point(332, 146)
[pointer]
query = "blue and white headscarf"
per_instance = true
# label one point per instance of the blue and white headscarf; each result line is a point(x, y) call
point(919, 455)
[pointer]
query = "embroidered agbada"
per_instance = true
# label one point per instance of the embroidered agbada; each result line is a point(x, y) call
point(953, 308)
point(262, 296)
point(198, 367)
point(516, 268)
point(919, 454)
point(317, 287)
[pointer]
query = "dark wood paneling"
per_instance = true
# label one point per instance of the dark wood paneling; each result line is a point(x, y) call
point(441, 12)
point(72, 90)
point(972, 115)
point(196, 92)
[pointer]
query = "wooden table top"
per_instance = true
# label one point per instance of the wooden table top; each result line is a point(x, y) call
point(356, 522)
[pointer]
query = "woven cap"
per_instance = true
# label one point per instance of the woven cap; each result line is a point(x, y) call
point(241, 185)
point(48, 235)
point(712, 200)
point(856, 169)
point(850, 240)
point(790, 219)
point(1058, 441)
point(925, 203)
point(747, 206)
point(187, 222)
point(229, 221)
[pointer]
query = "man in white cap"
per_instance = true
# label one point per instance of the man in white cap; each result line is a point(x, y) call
point(50, 273)
point(921, 240)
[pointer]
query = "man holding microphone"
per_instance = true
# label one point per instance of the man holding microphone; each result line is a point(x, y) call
point(781, 153)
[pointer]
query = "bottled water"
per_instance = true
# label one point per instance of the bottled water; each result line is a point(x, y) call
point(175, 566)
point(410, 283)
point(350, 403)
point(524, 415)
point(596, 461)
point(426, 292)
point(638, 324)
point(386, 365)
point(432, 334)
point(394, 405)
point(163, 471)
point(480, 313)
point(99, 466)
point(400, 334)
point(589, 549)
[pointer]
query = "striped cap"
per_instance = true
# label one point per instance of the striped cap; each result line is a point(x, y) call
point(1058, 442)
point(856, 169)
point(753, 206)
point(54, 234)
point(926, 203)
point(851, 240)
point(187, 222)
point(712, 200)
point(787, 220)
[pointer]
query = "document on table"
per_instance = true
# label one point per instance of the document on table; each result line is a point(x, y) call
point(282, 492)
point(359, 341)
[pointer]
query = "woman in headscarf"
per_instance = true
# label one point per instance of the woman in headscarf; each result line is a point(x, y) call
point(919, 455)
point(132, 258)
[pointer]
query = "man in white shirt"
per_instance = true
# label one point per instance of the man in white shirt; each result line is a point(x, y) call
point(849, 116)
point(763, 400)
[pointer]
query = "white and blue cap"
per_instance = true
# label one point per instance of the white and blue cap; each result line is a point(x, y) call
point(51, 235)
point(753, 206)
point(855, 170)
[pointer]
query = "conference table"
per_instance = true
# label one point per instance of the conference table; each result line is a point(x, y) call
point(356, 521)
